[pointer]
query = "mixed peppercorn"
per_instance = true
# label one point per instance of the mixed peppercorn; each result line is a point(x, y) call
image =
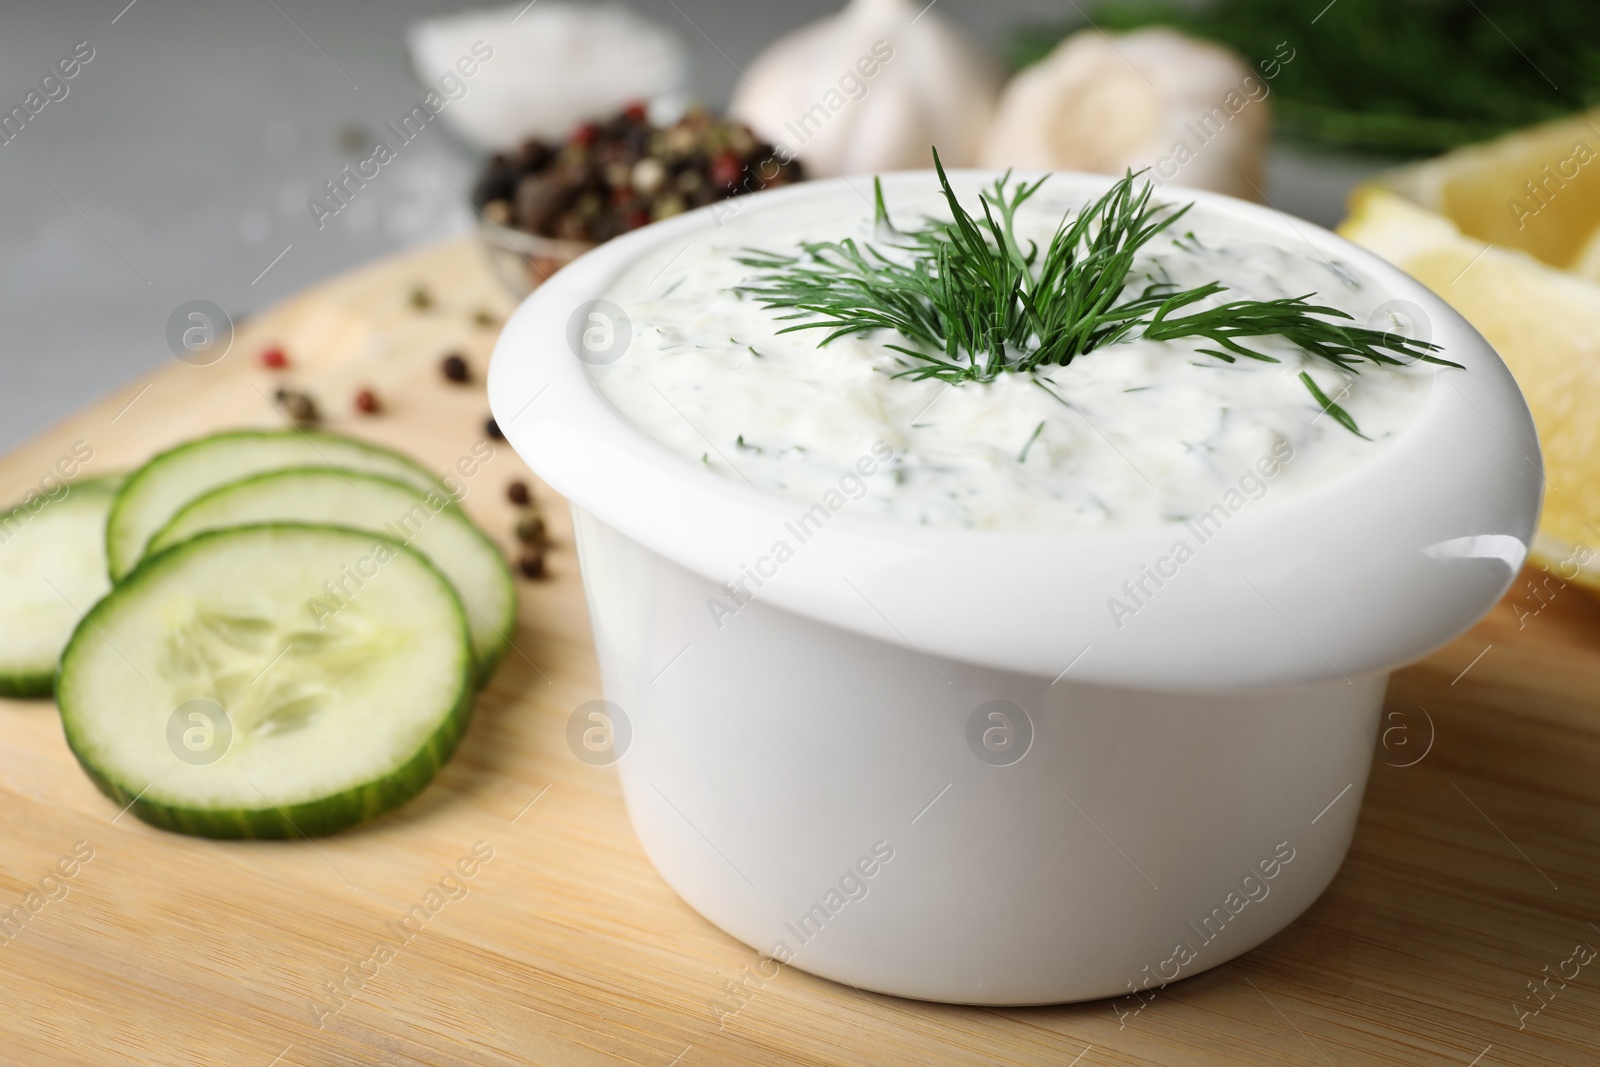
point(615, 176)
point(606, 179)
point(530, 531)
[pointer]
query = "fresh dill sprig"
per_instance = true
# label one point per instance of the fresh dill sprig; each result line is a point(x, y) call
point(1022, 457)
point(971, 303)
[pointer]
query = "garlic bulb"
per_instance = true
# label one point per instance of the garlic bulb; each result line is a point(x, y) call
point(1190, 111)
point(545, 68)
point(871, 89)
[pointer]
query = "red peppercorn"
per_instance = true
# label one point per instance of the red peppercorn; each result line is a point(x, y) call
point(367, 402)
point(455, 368)
point(584, 134)
point(725, 170)
point(531, 563)
point(636, 218)
point(275, 358)
point(517, 493)
point(636, 111)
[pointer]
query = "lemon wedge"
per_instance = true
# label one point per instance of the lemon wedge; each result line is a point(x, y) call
point(1545, 323)
point(1588, 262)
point(1536, 189)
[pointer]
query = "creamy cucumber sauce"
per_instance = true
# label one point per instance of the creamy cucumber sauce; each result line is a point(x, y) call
point(1133, 434)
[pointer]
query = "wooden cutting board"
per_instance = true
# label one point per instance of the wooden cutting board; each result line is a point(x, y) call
point(1475, 870)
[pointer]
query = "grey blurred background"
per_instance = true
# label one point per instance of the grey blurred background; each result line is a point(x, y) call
point(179, 164)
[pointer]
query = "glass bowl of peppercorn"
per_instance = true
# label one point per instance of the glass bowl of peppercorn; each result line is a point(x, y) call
point(545, 204)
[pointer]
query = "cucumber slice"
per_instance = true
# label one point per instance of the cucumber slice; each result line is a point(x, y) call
point(428, 522)
point(219, 690)
point(154, 492)
point(52, 570)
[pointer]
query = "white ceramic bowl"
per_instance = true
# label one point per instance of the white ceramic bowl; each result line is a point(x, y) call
point(826, 774)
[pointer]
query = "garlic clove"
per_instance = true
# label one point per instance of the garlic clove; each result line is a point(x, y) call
point(897, 134)
point(871, 89)
point(1190, 110)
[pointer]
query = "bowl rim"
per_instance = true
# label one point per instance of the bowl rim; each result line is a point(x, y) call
point(503, 235)
point(714, 526)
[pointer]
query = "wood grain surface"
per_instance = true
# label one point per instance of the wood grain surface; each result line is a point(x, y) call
point(1470, 895)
